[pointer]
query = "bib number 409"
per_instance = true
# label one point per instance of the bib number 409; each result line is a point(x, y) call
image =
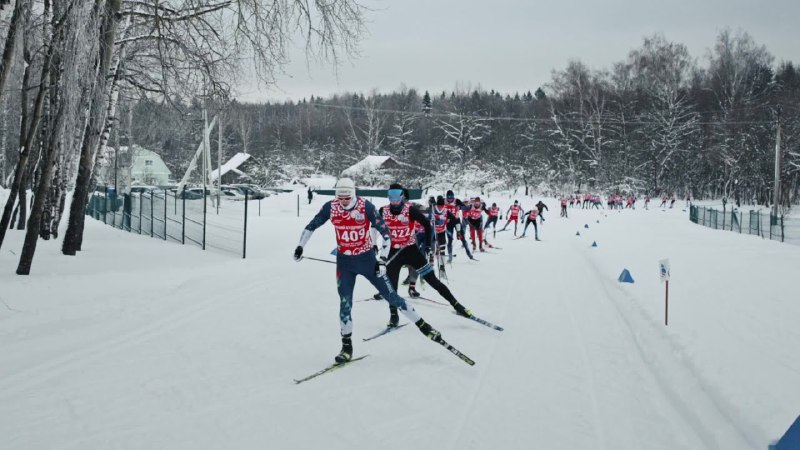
point(350, 236)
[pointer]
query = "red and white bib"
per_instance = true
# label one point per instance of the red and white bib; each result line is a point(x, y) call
point(452, 207)
point(351, 227)
point(494, 211)
point(533, 214)
point(439, 219)
point(515, 211)
point(401, 228)
point(473, 213)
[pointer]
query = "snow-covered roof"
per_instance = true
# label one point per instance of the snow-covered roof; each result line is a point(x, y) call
point(367, 164)
point(233, 163)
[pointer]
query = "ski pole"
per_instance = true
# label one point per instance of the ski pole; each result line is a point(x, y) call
point(320, 260)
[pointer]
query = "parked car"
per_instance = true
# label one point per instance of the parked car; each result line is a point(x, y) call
point(253, 192)
point(191, 193)
point(142, 188)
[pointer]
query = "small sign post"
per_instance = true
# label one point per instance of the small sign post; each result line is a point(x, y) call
point(663, 266)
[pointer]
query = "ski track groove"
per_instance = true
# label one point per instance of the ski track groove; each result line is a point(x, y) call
point(477, 385)
point(687, 409)
point(600, 436)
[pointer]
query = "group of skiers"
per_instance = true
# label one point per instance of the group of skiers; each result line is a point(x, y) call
point(413, 235)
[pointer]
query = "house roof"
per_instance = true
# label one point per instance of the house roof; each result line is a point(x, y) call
point(139, 158)
point(232, 164)
point(367, 164)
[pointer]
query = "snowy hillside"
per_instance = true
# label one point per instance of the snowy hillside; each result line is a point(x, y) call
point(138, 343)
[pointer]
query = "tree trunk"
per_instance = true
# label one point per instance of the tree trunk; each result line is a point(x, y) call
point(49, 153)
point(22, 206)
point(42, 194)
point(74, 235)
point(10, 45)
point(19, 172)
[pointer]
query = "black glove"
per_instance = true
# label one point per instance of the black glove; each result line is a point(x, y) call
point(298, 253)
point(380, 267)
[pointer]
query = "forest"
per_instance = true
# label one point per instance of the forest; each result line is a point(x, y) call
point(78, 78)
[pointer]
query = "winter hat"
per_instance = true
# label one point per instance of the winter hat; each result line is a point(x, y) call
point(345, 188)
point(450, 194)
point(440, 201)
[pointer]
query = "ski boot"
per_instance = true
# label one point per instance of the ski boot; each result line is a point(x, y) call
point(412, 291)
point(347, 350)
point(428, 331)
point(394, 319)
point(461, 311)
point(407, 280)
point(377, 296)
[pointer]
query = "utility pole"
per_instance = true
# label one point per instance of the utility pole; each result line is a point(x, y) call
point(219, 160)
point(776, 196)
point(204, 174)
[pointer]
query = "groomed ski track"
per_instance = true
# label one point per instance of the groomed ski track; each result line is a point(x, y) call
point(190, 360)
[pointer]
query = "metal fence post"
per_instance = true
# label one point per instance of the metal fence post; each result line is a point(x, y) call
point(165, 214)
point(152, 215)
point(105, 208)
point(298, 205)
point(140, 213)
point(741, 218)
point(205, 210)
point(183, 217)
point(244, 241)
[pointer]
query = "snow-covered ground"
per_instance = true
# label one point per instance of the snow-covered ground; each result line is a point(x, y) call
point(138, 343)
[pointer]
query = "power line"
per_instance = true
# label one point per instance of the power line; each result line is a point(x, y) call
point(527, 119)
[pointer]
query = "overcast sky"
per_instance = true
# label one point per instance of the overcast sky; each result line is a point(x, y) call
point(513, 45)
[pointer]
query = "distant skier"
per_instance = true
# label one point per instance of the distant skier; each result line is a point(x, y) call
point(541, 206)
point(474, 217)
point(563, 206)
point(401, 216)
point(513, 214)
point(351, 217)
point(493, 214)
point(531, 220)
point(310, 195)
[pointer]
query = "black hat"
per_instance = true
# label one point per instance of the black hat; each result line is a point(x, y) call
point(395, 186)
point(450, 193)
point(440, 201)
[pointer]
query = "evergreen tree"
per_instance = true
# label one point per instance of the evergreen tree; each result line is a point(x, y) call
point(426, 103)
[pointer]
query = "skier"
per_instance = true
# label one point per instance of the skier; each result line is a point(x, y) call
point(541, 206)
point(455, 205)
point(474, 217)
point(493, 213)
point(513, 214)
point(531, 219)
point(400, 216)
point(351, 217)
point(563, 206)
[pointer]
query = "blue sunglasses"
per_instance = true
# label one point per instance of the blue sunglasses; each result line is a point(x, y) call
point(395, 195)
